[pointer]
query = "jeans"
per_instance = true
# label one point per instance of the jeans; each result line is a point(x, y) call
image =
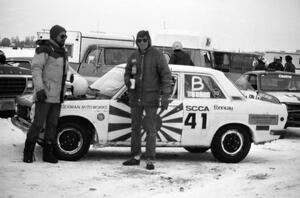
point(149, 124)
point(46, 115)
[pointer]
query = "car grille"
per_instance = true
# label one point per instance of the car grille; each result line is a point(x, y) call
point(23, 112)
point(293, 115)
point(12, 86)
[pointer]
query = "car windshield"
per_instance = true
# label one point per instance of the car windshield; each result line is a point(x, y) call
point(280, 82)
point(111, 82)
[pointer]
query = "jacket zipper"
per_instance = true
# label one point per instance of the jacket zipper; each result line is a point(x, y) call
point(141, 80)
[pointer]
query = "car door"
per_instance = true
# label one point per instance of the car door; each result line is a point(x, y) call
point(169, 122)
point(202, 97)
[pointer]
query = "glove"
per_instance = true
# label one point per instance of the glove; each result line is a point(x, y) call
point(164, 103)
point(41, 95)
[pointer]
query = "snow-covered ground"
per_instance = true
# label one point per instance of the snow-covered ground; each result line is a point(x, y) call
point(270, 170)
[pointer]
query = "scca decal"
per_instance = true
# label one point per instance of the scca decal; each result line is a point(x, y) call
point(196, 108)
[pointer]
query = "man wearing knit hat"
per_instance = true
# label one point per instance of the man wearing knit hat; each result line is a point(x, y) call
point(49, 69)
point(179, 57)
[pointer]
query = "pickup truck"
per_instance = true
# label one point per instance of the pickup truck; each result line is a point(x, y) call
point(93, 54)
point(14, 81)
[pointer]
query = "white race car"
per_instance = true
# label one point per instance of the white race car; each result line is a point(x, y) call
point(283, 87)
point(206, 111)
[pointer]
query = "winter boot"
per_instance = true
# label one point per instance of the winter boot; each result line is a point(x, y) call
point(28, 156)
point(48, 155)
point(150, 165)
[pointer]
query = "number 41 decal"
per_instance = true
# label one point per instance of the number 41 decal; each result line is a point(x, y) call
point(191, 120)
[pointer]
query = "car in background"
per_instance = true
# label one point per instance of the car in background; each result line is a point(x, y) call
point(23, 62)
point(276, 86)
point(206, 111)
point(14, 81)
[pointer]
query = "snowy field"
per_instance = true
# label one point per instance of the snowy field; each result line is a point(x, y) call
point(270, 170)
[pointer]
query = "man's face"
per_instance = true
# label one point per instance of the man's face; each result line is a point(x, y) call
point(61, 38)
point(142, 42)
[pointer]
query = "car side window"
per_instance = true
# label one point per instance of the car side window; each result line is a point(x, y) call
point(243, 83)
point(90, 66)
point(201, 86)
point(115, 56)
point(253, 81)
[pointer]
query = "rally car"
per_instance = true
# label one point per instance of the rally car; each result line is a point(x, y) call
point(206, 111)
point(283, 87)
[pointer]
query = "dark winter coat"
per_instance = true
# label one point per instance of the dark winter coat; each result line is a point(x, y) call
point(153, 77)
point(180, 57)
point(289, 67)
point(275, 66)
point(260, 66)
point(49, 70)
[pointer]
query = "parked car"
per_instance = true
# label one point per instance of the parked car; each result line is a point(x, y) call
point(206, 111)
point(23, 62)
point(14, 81)
point(283, 87)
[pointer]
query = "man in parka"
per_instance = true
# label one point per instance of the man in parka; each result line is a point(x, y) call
point(289, 66)
point(179, 57)
point(49, 70)
point(148, 79)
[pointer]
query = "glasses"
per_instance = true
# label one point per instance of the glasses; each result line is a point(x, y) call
point(140, 40)
point(63, 36)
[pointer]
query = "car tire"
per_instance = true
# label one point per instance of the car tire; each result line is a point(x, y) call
point(231, 144)
point(72, 142)
point(194, 149)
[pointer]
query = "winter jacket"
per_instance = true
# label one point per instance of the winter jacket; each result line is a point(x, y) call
point(289, 67)
point(275, 66)
point(153, 77)
point(260, 66)
point(49, 70)
point(180, 57)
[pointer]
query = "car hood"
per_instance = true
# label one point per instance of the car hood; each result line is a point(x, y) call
point(283, 97)
point(12, 70)
point(286, 97)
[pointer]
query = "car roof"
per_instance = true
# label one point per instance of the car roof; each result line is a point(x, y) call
point(19, 59)
point(269, 72)
point(219, 75)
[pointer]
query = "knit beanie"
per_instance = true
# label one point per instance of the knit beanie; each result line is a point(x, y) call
point(55, 30)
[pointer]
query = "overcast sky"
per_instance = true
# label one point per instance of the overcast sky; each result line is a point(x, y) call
point(245, 25)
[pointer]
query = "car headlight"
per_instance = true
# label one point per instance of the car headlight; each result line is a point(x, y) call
point(29, 84)
point(268, 97)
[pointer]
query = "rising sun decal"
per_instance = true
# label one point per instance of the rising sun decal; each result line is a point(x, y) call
point(168, 122)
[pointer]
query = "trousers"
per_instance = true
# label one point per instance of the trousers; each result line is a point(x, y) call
point(46, 115)
point(149, 124)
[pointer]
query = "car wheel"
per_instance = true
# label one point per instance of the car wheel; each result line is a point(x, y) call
point(231, 144)
point(72, 142)
point(196, 149)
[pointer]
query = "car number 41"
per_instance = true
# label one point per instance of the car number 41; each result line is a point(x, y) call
point(191, 120)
